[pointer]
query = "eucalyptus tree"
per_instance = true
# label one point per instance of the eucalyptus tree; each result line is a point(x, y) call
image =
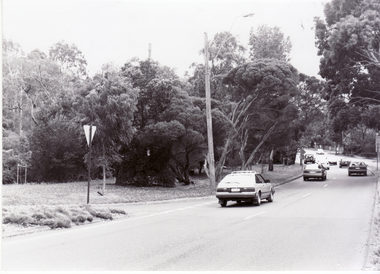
point(225, 53)
point(348, 41)
point(260, 94)
point(109, 106)
point(269, 43)
point(70, 59)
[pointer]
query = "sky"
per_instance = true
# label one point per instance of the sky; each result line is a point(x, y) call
point(117, 30)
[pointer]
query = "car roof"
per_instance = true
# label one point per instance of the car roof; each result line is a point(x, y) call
point(358, 163)
point(244, 172)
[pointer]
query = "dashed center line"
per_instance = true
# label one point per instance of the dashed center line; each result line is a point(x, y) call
point(249, 217)
point(325, 185)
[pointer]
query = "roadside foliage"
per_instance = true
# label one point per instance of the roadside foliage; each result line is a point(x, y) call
point(151, 123)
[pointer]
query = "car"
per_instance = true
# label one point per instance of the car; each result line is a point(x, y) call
point(357, 168)
point(323, 162)
point(344, 162)
point(332, 162)
point(247, 186)
point(309, 158)
point(314, 171)
point(320, 152)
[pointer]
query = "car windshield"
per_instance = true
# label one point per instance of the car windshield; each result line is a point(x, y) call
point(357, 164)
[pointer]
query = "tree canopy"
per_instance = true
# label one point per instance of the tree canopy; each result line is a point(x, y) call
point(349, 43)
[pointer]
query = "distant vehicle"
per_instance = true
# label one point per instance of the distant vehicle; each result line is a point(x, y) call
point(344, 162)
point(320, 152)
point(357, 168)
point(332, 162)
point(309, 159)
point(322, 160)
point(314, 171)
point(247, 186)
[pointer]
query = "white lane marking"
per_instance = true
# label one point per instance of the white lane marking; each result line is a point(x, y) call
point(254, 215)
point(304, 196)
point(325, 185)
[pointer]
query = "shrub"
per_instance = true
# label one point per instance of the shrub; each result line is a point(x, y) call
point(49, 222)
point(9, 170)
point(99, 213)
point(117, 211)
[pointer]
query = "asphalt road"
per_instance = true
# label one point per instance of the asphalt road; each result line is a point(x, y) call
point(312, 225)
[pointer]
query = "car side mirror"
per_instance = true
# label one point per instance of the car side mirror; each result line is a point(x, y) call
point(267, 181)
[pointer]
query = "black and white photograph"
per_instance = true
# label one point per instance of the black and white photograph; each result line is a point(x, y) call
point(190, 135)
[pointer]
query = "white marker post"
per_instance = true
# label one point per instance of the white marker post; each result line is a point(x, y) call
point(89, 136)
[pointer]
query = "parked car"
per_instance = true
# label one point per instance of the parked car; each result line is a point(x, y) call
point(247, 186)
point(314, 171)
point(357, 168)
point(309, 159)
point(344, 162)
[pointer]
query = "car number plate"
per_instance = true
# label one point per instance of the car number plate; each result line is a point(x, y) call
point(357, 168)
point(235, 189)
point(312, 171)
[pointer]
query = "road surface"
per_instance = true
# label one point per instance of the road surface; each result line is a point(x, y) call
point(312, 225)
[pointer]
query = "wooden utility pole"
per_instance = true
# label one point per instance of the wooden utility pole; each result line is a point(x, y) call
point(210, 157)
point(89, 167)
point(150, 51)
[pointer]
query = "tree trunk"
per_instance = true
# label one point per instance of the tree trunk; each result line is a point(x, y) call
point(251, 157)
point(271, 161)
point(104, 170)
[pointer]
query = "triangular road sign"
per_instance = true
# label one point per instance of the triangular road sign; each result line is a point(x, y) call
point(87, 133)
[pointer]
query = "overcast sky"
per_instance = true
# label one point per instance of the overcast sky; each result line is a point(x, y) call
point(118, 30)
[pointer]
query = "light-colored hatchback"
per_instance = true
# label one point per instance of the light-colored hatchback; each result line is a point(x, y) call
point(247, 186)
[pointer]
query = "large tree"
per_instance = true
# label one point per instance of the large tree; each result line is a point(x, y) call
point(170, 128)
point(349, 43)
point(261, 94)
point(109, 106)
point(225, 53)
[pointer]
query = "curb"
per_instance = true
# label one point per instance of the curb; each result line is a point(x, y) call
point(369, 266)
point(289, 180)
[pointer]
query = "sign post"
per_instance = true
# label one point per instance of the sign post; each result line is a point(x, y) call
point(377, 150)
point(89, 131)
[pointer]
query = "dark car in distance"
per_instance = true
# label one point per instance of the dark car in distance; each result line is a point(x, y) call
point(357, 168)
point(309, 159)
point(344, 162)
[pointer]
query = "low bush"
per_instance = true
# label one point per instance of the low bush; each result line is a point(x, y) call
point(57, 216)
